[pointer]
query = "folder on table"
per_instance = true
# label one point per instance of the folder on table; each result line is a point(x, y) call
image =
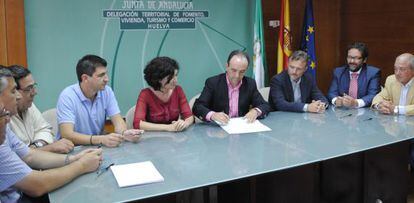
point(136, 174)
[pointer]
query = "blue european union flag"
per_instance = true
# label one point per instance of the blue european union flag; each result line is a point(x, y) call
point(308, 37)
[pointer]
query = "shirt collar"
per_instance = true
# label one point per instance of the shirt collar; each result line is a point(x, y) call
point(80, 94)
point(358, 72)
point(295, 82)
point(229, 84)
point(409, 83)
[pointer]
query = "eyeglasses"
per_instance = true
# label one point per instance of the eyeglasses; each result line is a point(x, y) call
point(401, 70)
point(29, 88)
point(355, 58)
point(4, 113)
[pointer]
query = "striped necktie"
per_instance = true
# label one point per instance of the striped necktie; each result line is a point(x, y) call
point(353, 86)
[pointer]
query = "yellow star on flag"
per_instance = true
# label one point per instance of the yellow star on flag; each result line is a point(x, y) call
point(310, 29)
point(307, 38)
point(312, 65)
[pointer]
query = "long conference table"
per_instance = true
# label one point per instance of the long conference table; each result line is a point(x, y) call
point(205, 155)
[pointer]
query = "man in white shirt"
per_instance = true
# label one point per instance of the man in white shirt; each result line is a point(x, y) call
point(397, 97)
point(28, 124)
point(18, 163)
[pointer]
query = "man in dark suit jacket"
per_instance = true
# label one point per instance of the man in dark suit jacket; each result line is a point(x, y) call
point(343, 178)
point(229, 95)
point(295, 90)
point(217, 103)
point(368, 77)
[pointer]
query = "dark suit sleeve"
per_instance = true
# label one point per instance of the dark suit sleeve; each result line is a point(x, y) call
point(334, 88)
point(202, 104)
point(280, 102)
point(373, 87)
point(259, 102)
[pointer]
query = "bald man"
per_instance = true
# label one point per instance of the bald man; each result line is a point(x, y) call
point(231, 94)
point(398, 95)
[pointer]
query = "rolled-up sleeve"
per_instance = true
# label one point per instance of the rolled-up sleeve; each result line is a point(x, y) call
point(12, 168)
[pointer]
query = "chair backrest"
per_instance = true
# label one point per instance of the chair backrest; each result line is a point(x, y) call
point(129, 117)
point(265, 92)
point(51, 117)
point(192, 100)
point(191, 103)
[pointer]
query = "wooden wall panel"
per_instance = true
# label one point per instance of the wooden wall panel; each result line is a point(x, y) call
point(3, 36)
point(271, 11)
point(327, 23)
point(12, 33)
point(385, 25)
point(15, 31)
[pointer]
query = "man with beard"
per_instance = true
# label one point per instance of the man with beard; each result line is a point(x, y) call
point(355, 84)
point(83, 107)
point(28, 124)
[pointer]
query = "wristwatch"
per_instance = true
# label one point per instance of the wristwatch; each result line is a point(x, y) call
point(39, 143)
point(396, 110)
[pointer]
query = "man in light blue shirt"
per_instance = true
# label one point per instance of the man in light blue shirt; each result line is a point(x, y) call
point(83, 107)
point(16, 157)
point(12, 168)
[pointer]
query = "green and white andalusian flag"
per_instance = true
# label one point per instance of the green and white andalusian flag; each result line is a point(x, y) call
point(258, 47)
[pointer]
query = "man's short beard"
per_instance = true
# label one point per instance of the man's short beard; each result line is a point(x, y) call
point(356, 68)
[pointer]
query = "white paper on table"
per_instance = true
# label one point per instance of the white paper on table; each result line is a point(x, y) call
point(240, 125)
point(136, 174)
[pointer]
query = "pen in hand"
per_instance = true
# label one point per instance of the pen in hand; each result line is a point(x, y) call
point(99, 172)
point(220, 118)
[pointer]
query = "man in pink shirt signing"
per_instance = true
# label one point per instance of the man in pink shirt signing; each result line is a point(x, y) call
point(231, 94)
